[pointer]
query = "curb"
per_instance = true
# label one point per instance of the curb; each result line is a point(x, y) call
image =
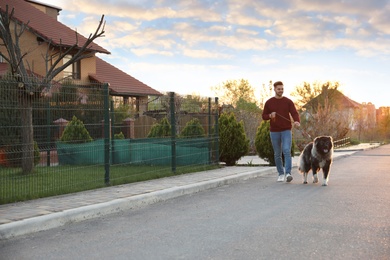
point(59, 219)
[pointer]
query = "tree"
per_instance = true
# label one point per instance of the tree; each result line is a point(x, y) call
point(325, 117)
point(250, 115)
point(384, 122)
point(30, 86)
point(233, 143)
point(322, 110)
point(233, 90)
point(306, 92)
point(265, 93)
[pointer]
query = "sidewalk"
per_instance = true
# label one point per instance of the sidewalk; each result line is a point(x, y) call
point(36, 215)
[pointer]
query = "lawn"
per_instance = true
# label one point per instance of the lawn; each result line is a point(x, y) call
point(57, 180)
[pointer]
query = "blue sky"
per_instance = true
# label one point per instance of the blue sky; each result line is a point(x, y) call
point(189, 46)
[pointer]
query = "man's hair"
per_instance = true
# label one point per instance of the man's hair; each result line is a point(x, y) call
point(278, 83)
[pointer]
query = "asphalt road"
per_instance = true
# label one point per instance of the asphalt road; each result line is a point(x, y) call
point(256, 219)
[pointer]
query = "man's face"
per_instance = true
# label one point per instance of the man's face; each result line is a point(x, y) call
point(279, 90)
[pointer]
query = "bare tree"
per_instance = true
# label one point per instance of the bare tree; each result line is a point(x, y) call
point(265, 93)
point(320, 112)
point(30, 86)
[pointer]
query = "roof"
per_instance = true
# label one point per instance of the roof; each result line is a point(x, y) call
point(336, 97)
point(44, 4)
point(38, 23)
point(120, 82)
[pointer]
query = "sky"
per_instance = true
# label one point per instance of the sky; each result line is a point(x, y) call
point(190, 46)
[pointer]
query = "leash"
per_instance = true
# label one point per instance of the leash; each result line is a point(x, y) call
point(303, 132)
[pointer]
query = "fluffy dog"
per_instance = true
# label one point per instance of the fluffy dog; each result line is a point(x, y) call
point(316, 155)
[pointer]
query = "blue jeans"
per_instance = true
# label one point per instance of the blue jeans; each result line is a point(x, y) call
point(281, 142)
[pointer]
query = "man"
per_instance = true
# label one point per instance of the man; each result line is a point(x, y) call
point(278, 109)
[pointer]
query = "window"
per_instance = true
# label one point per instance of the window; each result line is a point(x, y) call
point(72, 71)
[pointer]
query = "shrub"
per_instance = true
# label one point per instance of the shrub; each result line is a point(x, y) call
point(233, 143)
point(264, 145)
point(119, 136)
point(162, 129)
point(193, 128)
point(75, 132)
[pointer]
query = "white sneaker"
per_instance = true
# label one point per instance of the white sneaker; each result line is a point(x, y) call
point(289, 177)
point(281, 177)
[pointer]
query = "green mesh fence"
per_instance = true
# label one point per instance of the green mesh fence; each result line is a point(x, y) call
point(137, 152)
point(130, 138)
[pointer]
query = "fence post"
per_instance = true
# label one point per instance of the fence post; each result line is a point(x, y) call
point(112, 131)
point(106, 134)
point(48, 134)
point(209, 131)
point(216, 127)
point(173, 130)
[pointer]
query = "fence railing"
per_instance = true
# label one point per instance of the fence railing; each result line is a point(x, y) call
point(121, 150)
point(342, 142)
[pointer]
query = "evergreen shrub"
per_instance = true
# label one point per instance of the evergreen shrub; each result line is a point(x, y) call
point(233, 143)
point(75, 132)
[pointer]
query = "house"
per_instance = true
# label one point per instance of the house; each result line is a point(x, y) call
point(334, 110)
point(44, 29)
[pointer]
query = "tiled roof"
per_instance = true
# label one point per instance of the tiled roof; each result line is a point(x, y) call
point(336, 97)
point(45, 26)
point(120, 82)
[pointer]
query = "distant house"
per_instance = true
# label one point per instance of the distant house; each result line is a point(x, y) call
point(44, 28)
point(341, 105)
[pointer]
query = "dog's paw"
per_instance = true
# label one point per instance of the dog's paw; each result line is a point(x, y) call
point(324, 184)
point(315, 179)
point(305, 182)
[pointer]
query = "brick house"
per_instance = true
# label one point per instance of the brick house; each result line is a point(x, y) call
point(44, 28)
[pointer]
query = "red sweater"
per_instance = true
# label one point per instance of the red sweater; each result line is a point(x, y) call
point(283, 107)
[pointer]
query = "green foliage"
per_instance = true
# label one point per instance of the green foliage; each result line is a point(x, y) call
point(162, 129)
point(233, 143)
point(245, 105)
point(232, 90)
point(119, 136)
point(193, 128)
point(75, 132)
point(122, 112)
point(263, 143)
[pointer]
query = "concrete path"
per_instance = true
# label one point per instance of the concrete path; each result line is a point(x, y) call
point(36, 215)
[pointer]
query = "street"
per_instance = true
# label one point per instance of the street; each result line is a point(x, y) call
point(257, 219)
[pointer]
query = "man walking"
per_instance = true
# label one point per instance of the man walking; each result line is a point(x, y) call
point(279, 111)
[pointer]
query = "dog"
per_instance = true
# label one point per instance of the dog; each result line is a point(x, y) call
point(316, 155)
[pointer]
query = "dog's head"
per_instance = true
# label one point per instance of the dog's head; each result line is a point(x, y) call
point(323, 144)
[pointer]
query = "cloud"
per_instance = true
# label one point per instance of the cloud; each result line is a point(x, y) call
point(202, 27)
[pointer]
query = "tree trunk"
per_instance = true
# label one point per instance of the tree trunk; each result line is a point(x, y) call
point(27, 137)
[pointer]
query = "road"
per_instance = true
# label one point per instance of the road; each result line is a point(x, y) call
point(256, 219)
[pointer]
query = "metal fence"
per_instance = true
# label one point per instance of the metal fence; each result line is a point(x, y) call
point(128, 138)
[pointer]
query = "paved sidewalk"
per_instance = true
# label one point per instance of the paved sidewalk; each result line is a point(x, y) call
point(36, 215)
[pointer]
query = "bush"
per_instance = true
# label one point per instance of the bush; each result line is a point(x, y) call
point(264, 145)
point(162, 129)
point(119, 136)
point(193, 128)
point(233, 143)
point(75, 132)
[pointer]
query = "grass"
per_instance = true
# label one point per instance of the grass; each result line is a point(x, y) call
point(58, 180)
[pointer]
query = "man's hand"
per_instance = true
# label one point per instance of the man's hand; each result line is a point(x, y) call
point(297, 124)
